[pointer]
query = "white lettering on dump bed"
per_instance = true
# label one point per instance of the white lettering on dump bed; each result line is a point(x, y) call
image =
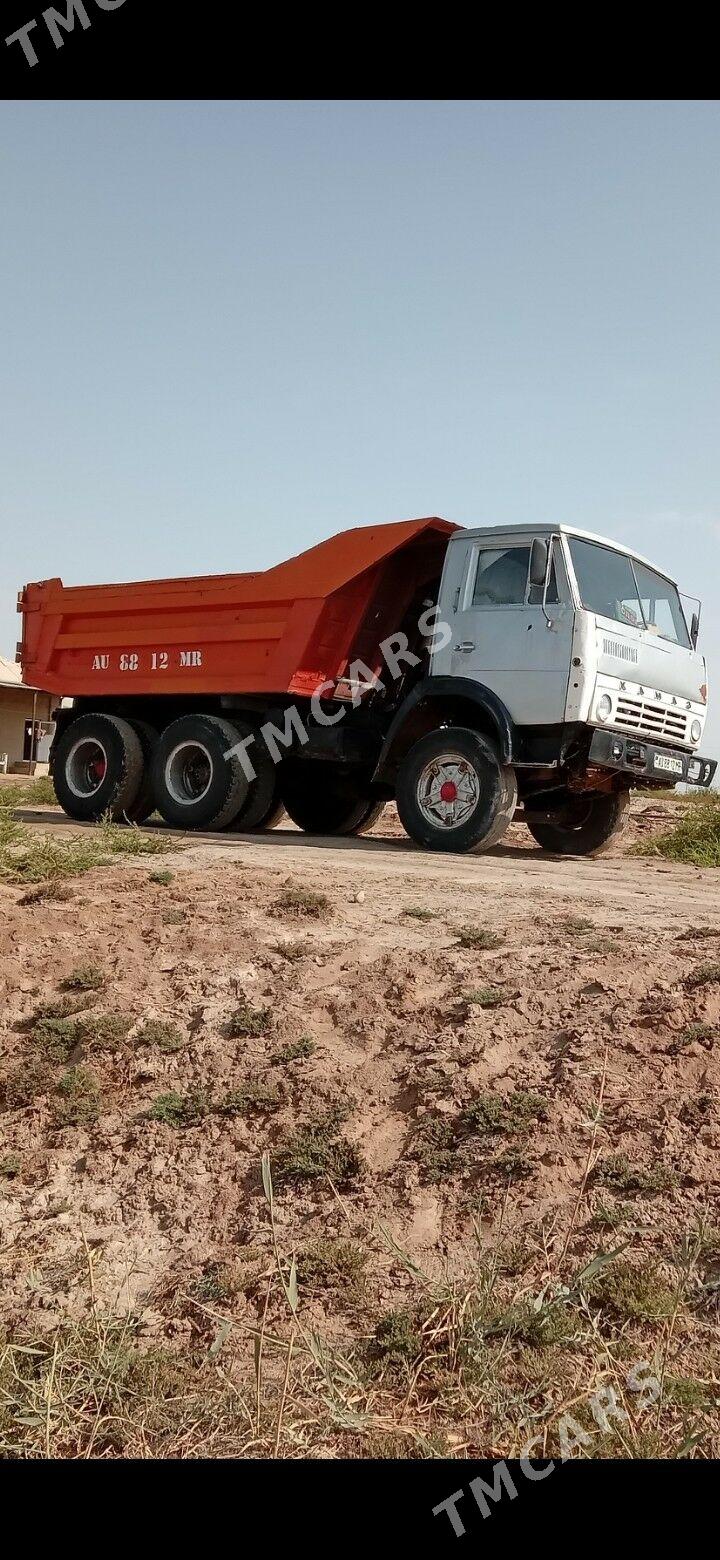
point(135, 661)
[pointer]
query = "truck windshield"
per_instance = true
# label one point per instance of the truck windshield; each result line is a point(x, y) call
point(616, 586)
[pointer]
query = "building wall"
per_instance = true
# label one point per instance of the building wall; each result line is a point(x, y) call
point(16, 706)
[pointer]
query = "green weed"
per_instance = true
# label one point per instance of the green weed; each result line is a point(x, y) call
point(164, 1036)
point(294, 1051)
point(78, 1102)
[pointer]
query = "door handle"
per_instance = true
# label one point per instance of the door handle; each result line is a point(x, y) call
point(465, 645)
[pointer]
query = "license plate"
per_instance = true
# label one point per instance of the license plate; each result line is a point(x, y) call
point(673, 766)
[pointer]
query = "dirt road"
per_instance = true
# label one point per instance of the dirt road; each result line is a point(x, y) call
point(621, 890)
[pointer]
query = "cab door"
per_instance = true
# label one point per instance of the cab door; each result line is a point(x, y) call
point(502, 634)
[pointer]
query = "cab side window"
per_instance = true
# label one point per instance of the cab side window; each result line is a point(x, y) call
point(501, 576)
point(501, 579)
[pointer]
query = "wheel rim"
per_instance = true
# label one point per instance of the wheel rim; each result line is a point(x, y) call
point(86, 767)
point(448, 791)
point(188, 773)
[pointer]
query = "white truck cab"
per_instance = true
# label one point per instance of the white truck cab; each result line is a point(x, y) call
point(575, 662)
point(602, 640)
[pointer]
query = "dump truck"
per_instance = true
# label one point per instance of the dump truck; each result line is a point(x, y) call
point(472, 675)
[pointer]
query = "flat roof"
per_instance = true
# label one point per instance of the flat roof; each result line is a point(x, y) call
point(11, 676)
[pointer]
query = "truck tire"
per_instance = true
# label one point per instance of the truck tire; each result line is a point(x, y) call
point(585, 826)
point(271, 819)
point(453, 793)
point(321, 803)
point(98, 768)
point(194, 784)
point(262, 799)
point(373, 811)
point(144, 803)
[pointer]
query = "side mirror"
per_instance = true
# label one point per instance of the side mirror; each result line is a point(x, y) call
point(694, 629)
point(538, 562)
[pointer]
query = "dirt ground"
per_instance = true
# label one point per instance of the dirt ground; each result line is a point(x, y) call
point(597, 996)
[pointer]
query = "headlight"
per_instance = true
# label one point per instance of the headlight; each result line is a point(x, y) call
point(604, 707)
point(696, 730)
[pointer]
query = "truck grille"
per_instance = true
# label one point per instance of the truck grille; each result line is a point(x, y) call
point(652, 719)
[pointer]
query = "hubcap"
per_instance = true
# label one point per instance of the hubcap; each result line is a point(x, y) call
point(86, 767)
point(188, 772)
point(448, 791)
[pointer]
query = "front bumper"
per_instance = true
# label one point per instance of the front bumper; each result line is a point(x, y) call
point(647, 760)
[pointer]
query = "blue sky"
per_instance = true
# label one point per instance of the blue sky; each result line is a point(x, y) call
point(229, 330)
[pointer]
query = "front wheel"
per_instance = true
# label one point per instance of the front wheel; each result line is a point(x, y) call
point(585, 826)
point(453, 793)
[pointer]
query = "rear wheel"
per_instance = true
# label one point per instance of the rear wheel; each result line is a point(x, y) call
point(321, 802)
point(453, 793)
point(196, 784)
point(373, 811)
point(144, 803)
point(271, 819)
point(585, 826)
point(98, 768)
point(262, 800)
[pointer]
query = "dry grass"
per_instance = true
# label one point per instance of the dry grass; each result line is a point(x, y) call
point(40, 792)
point(455, 1368)
point(576, 923)
point(301, 903)
point(478, 938)
point(704, 975)
point(90, 1391)
point(247, 1021)
point(30, 858)
point(694, 839)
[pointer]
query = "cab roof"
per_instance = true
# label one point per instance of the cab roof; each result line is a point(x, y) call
point(544, 528)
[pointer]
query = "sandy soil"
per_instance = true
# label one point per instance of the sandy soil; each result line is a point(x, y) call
point(588, 1013)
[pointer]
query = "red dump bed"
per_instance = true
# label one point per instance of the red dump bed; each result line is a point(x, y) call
point(287, 630)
